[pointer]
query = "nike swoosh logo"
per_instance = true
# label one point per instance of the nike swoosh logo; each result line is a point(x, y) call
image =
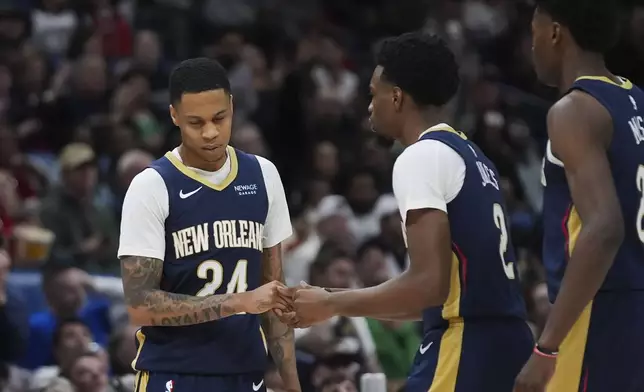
point(187, 195)
point(256, 387)
point(423, 349)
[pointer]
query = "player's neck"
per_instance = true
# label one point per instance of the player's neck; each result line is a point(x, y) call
point(192, 160)
point(578, 64)
point(420, 122)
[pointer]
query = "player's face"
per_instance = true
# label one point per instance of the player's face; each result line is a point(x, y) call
point(205, 120)
point(546, 39)
point(382, 108)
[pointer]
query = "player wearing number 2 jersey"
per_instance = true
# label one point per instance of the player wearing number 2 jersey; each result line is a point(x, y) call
point(200, 252)
point(462, 278)
point(593, 209)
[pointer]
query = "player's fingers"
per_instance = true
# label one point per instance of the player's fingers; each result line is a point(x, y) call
point(305, 285)
point(278, 312)
point(286, 291)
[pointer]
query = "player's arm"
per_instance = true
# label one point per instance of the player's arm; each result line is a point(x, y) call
point(141, 250)
point(580, 130)
point(279, 336)
point(423, 176)
point(398, 316)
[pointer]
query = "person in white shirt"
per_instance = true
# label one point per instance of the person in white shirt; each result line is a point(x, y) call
point(200, 251)
point(462, 263)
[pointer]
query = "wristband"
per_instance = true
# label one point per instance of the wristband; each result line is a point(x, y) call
point(545, 353)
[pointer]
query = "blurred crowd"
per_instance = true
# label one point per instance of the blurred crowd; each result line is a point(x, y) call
point(83, 109)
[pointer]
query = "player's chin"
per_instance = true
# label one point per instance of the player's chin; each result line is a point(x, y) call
point(213, 155)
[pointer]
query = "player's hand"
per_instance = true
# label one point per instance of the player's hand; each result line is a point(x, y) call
point(265, 298)
point(536, 374)
point(311, 305)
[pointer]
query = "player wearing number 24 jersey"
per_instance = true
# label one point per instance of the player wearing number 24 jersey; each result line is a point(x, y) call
point(462, 279)
point(200, 252)
point(593, 211)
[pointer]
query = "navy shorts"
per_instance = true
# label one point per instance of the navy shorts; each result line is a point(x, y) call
point(471, 356)
point(604, 351)
point(168, 382)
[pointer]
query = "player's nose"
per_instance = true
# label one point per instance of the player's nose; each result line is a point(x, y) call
point(209, 132)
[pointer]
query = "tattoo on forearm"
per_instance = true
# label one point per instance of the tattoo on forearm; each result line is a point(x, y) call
point(141, 279)
point(279, 336)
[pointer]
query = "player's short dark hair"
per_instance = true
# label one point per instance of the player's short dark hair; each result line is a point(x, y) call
point(593, 24)
point(422, 65)
point(196, 76)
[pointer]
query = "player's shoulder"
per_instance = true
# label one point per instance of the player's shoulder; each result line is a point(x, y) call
point(578, 106)
point(426, 152)
point(268, 168)
point(148, 181)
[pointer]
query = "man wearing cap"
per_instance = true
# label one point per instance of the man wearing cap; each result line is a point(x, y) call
point(85, 233)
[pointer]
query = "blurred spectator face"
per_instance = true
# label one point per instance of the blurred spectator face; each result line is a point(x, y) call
point(66, 293)
point(81, 181)
point(335, 228)
point(362, 193)
point(75, 338)
point(344, 386)
point(89, 374)
point(54, 5)
point(385, 102)
point(340, 273)
point(248, 139)
point(35, 72)
point(545, 48)
point(130, 164)
point(317, 189)
point(8, 148)
point(325, 159)
point(331, 53)
point(147, 49)
point(205, 120)
point(90, 76)
point(372, 267)
point(11, 28)
point(390, 228)
point(5, 81)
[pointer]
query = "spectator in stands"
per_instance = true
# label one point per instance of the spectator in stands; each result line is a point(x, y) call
point(122, 351)
point(71, 338)
point(65, 289)
point(13, 318)
point(348, 337)
point(88, 373)
point(85, 233)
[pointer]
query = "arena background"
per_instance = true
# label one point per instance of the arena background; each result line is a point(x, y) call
point(83, 108)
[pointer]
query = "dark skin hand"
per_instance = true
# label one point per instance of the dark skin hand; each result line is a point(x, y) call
point(580, 129)
point(424, 284)
point(149, 306)
point(279, 336)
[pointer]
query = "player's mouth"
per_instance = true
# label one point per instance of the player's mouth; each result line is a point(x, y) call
point(211, 148)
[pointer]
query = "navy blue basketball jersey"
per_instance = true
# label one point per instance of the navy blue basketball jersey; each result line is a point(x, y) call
point(213, 246)
point(484, 279)
point(562, 224)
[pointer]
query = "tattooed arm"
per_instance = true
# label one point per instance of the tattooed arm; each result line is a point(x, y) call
point(148, 305)
point(278, 335)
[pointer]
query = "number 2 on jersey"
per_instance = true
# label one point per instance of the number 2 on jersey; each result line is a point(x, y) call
point(640, 212)
point(499, 220)
point(213, 271)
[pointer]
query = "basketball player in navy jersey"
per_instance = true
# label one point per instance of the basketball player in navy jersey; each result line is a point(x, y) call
point(462, 279)
point(593, 249)
point(200, 252)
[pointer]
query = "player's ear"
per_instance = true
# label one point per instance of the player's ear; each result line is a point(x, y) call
point(231, 102)
point(556, 33)
point(397, 98)
point(173, 115)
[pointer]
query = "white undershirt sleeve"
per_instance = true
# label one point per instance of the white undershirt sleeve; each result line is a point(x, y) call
point(278, 220)
point(428, 174)
point(145, 209)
